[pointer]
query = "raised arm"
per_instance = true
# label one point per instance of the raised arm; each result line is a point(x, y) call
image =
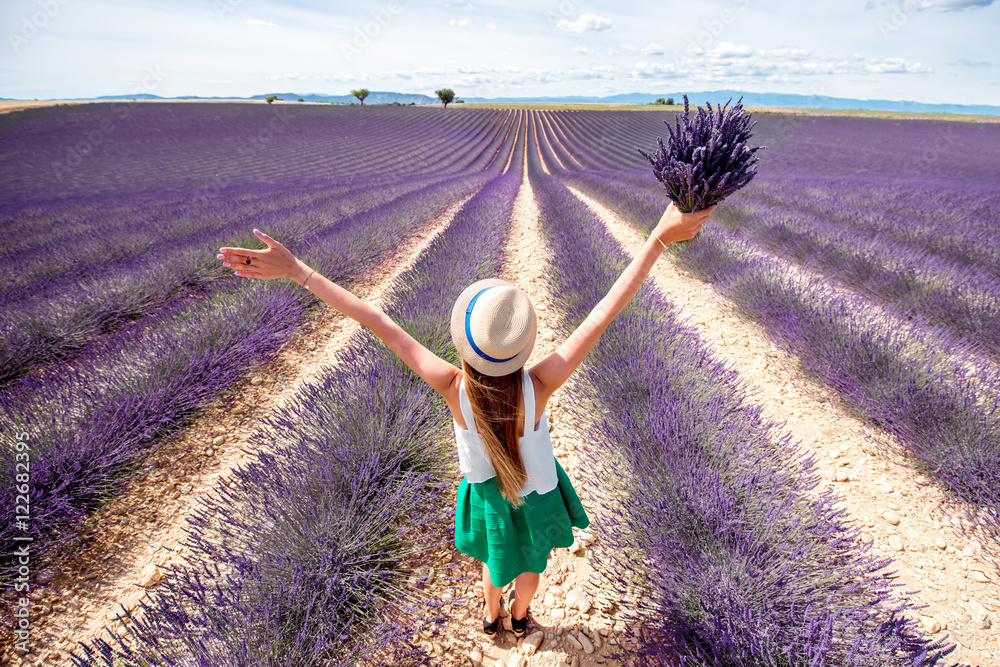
point(556, 368)
point(277, 262)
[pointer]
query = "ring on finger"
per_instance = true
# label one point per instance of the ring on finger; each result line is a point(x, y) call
point(248, 260)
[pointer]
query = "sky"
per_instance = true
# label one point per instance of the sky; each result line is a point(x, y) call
point(933, 51)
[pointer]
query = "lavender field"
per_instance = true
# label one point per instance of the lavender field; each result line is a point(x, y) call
point(868, 251)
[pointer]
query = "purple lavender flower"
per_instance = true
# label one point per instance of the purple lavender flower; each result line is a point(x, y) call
point(706, 158)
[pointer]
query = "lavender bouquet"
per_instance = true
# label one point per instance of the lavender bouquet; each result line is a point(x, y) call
point(706, 157)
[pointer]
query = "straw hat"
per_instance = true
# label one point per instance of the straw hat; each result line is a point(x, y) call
point(493, 326)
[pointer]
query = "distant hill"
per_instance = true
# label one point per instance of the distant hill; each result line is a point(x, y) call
point(783, 100)
point(374, 97)
point(137, 96)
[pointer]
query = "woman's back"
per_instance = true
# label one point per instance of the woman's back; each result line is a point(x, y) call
point(534, 444)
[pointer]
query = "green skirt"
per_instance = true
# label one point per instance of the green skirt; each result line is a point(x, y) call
point(513, 541)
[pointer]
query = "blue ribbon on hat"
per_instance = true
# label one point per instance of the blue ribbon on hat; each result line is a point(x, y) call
point(468, 331)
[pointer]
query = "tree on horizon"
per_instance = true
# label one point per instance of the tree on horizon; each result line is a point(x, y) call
point(446, 95)
point(361, 94)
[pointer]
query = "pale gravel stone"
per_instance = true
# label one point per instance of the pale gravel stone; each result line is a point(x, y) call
point(930, 625)
point(531, 643)
point(979, 577)
point(577, 600)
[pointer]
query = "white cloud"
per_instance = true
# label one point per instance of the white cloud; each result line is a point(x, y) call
point(652, 50)
point(461, 23)
point(628, 48)
point(491, 26)
point(792, 54)
point(586, 22)
point(729, 62)
point(729, 50)
point(286, 77)
point(655, 71)
point(612, 52)
point(963, 62)
point(593, 73)
point(944, 5)
point(896, 66)
point(266, 24)
point(908, 6)
point(581, 49)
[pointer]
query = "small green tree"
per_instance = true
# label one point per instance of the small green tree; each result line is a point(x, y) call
point(446, 95)
point(660, 100)
point(301, 100)
point(670, 100)
point(271, 98)
point(361, 95)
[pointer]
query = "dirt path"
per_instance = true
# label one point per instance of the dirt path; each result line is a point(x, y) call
point(898, 509)
point(144, 525)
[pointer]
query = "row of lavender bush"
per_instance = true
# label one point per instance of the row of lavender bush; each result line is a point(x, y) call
point(958, 295)
point(45, 151)
point(912, 380)
point(709, 532)
point(956, 222)
point(135, 257)
point(961, 296)
point(89, 425)
point(46, 319)
point(304, 551)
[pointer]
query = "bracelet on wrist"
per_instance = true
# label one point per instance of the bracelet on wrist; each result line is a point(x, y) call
point(305, 283)
point(661, 241)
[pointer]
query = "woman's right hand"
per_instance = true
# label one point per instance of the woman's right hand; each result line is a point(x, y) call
point(677, 226)
point(273, 262)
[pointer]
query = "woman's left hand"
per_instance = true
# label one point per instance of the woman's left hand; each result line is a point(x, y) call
point(274, 262)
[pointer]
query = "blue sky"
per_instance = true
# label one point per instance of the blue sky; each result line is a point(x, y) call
point(935, 51)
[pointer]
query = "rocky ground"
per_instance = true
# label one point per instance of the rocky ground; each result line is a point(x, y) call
point(902, 513)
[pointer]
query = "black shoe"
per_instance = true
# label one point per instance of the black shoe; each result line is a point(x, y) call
point(519, 626)
point(491, 628)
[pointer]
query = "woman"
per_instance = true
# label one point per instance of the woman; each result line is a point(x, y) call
point(515, 503)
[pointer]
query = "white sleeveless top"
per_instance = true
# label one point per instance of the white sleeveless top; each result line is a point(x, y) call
point(535, 446)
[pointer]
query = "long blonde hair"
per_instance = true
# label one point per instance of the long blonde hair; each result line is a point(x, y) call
point(495, 402)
